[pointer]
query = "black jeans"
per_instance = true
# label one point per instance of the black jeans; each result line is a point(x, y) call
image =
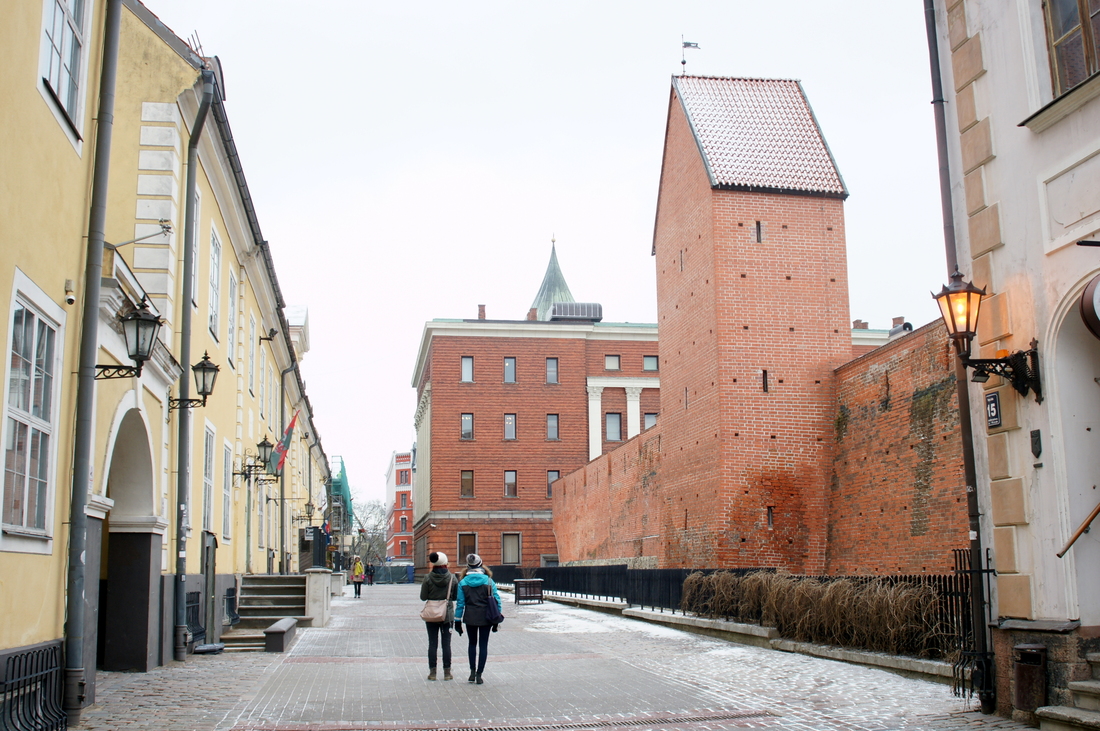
point(479, 641)
point(358, 587)
point(435, 631)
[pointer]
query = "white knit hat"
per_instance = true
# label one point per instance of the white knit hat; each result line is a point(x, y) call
point(437, 558)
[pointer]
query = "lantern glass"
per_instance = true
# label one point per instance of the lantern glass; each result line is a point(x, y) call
point(264, 448)
point(206, 373)
point(309, 510)
point(959, 305)
point(140, 328)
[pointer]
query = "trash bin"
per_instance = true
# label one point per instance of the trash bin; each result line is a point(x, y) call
point(1030, 677)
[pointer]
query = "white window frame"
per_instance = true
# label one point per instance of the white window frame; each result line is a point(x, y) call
point(271, 396)
point(261, 510)
point(252, 354)
point(467, 360)
point(227, 487)
point(25, 293)
point(231, 324)
point(214, 305)
point(69, 113)
point(262, 396)
point(607, 418)
point(195, 253)
point(514, 483)
point(208, 449)
point(612, 363)
point(504, 539)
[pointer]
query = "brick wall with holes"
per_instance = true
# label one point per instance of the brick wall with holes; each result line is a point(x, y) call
point(745, 469)
point(897, 503)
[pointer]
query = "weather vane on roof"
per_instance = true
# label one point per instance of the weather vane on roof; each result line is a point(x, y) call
point(684, 45)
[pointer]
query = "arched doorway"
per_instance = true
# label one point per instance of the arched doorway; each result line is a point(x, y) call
point(130, 586)
point(1077, 373)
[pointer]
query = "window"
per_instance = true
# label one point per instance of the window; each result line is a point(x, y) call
point(261, 504)
point(509, 551)
point(1074, 45)
point(215, 282)
point(227, 484)
point(29, 425)
point(551, 370)
point(252, 355)
point(271, 393)
point(467, 489)
point(467, 426)
point(467, 544)
point(403, 477)
point(552, 426)
point(404, 499)
point(65, 49)
point(208, 481)
point(509, 483)
point(509, 370)
point(611, 362)
point(231, 324)
point(614, 427)
point(467, 369)
point(509, 426)
point(194, 263)
point(650, 420)
point(404, 548)
point(404, 524)
point(262, 396)
point(551, 477)
point(649, 362)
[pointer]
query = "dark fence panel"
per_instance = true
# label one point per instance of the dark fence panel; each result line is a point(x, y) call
point(30, 689)
point(194, 617)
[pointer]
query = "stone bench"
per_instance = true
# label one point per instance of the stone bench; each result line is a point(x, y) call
point(278, 636)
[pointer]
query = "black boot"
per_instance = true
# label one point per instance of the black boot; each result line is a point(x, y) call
point(472, 678)
point(431, 675)
point(478, 681)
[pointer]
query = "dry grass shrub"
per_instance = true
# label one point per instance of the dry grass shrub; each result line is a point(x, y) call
point(882, 614)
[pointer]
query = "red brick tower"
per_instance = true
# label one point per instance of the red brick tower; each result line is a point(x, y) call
point(752, 296)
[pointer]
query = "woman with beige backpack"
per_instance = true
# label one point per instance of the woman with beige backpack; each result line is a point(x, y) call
point(439, 590)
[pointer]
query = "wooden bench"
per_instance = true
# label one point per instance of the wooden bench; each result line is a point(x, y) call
point(278, 636)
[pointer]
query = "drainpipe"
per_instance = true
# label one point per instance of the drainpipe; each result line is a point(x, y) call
point(283, 568)
point(183, 464)
point(85, 385)
point(981, 678)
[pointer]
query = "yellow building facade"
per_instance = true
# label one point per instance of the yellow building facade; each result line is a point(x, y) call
point(155, 464)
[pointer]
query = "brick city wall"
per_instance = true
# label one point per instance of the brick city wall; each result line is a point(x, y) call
point(897, 503)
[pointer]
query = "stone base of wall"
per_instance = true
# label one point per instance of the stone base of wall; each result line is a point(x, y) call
point(635, 562)
point(1066, 643)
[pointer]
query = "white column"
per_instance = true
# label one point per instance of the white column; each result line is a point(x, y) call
point(633, 411)
point(595, 422)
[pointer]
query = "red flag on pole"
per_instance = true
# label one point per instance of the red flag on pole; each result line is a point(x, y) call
point(278, 454)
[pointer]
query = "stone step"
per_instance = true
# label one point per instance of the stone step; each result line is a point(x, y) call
point(1086, 694)
point(1094, 662)
point(275, 610)
point(267, 600)
point(263, 622)
point(1064, 718)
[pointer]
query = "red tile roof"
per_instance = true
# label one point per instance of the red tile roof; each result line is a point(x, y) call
point(759, 134)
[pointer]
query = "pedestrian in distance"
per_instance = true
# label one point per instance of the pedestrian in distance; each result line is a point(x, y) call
point(357, 575)
point(370, 574)
point(474, 591)
point(440, 584)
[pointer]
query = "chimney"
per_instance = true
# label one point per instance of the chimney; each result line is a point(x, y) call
point(533, 313)
point(898, 321)
point(859, 325)
point(481, 312)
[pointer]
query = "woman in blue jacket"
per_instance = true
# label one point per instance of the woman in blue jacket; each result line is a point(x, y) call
point(473, 600)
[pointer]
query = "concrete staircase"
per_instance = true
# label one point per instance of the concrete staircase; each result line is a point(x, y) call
point(264, 600)
point(1085, 713)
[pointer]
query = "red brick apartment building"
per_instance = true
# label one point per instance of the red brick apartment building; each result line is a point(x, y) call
point(399, 508)
point(766, 454)
point(508, 406)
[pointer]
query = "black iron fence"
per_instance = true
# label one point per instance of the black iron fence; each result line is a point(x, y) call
point(31, 688)
point(232, 617)
point(194, 617)
point(925, 615)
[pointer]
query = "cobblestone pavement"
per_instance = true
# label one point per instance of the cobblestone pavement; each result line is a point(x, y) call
point(551, 667)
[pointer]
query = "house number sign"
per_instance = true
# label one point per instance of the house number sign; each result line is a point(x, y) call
point(992, 410)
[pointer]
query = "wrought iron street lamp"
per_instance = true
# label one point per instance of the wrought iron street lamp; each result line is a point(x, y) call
point(206, 373)
point(139, 328)
point(260, 464)
point(960, 303)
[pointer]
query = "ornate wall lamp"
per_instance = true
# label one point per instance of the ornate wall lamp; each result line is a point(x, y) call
point(206, 373)
point(959, 304)
point(260, 465)
point(139, 328)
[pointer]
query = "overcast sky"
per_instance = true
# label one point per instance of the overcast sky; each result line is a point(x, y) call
point(411, 161)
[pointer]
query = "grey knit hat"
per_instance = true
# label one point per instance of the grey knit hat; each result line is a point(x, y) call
point(473, 561)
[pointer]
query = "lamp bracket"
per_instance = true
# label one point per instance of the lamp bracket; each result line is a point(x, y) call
point(1021, 369)
point(185, 403)
point(105, 372)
